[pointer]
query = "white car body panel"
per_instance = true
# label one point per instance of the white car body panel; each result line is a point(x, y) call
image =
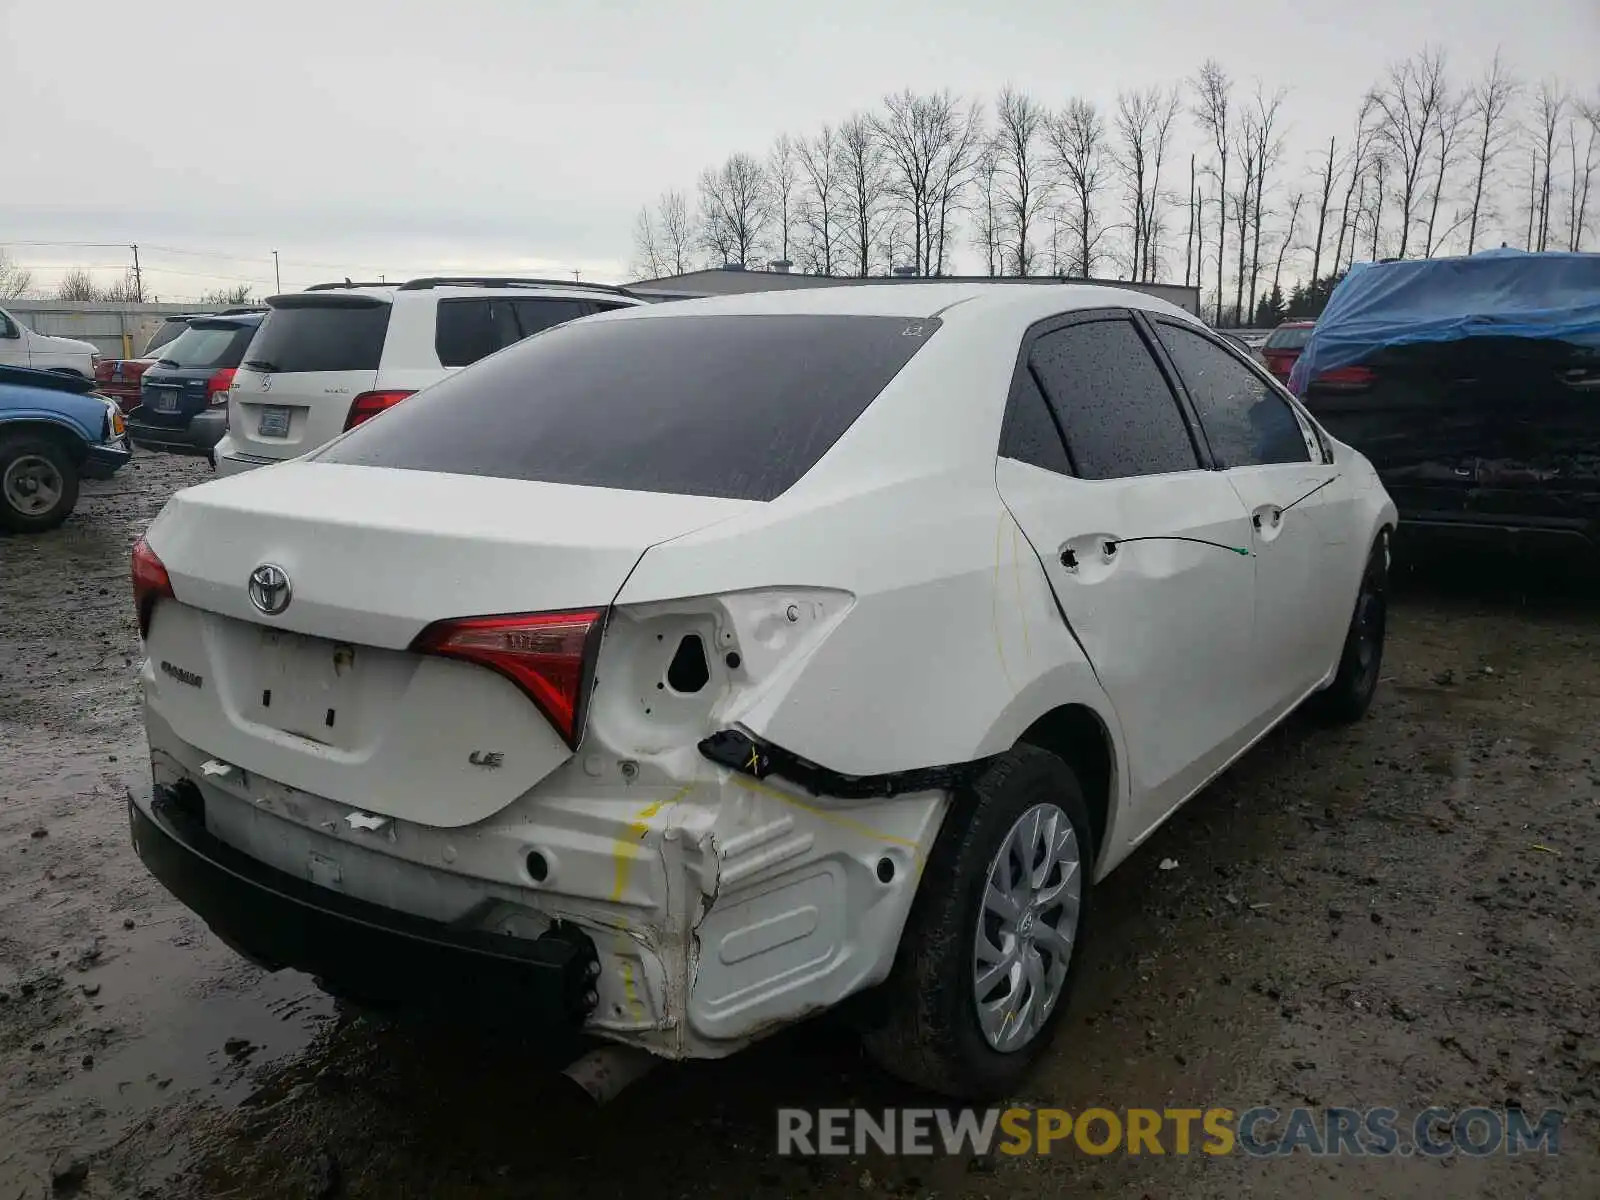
point(899, 607)
point(42, 352)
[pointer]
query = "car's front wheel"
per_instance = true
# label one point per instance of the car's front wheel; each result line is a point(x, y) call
point(988, 953)
point(38, 483)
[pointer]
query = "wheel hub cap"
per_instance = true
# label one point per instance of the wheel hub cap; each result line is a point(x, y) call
point(1027, 927)
point(32, 485)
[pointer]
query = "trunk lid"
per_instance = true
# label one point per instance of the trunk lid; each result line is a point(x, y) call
point(326, 697)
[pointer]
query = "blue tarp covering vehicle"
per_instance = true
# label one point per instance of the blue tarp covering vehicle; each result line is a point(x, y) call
point(1473, 385)
point(1495, 293)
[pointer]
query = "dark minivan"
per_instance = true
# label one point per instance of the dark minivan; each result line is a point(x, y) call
point(183, 398)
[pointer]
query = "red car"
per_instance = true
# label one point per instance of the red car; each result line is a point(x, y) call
point(1284, 345)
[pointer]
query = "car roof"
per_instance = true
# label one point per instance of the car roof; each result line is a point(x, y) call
point(945, 300)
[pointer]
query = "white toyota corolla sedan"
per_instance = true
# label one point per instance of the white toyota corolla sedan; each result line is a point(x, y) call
point(683, 671)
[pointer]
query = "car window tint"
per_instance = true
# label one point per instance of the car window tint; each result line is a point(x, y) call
point(736, 406)
point(1029, 434)
point(1246, 421)
point(467, 330)
point(311, 335)
point(1119, 415)
point(535, 316)
point(208, 344)
point(601, 306)
point(169, 331)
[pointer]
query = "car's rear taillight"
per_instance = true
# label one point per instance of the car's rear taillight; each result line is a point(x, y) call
point(370, 404)
point(150, 583)
point(1346, 379)
point(550, 656)
point(217, 386)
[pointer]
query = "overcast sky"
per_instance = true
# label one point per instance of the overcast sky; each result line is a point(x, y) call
point(360, 137)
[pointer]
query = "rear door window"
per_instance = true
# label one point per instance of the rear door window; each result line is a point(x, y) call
point(1245, 419)
point(1029, 434)
point(467, 330)
point(313, 332)
point(1112, 401)
point(734, 406)
point(535, 316)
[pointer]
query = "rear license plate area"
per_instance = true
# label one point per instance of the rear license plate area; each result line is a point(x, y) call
point(306, 686)
point(274, 421)
point(164, 402)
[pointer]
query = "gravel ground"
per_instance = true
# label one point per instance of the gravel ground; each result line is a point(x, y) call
point(1402, 913)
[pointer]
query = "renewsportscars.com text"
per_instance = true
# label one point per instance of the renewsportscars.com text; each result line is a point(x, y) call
point(1259, 1132)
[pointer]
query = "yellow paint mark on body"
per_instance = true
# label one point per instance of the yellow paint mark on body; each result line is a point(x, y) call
point(625, 849)
point(833, 818)
point(635, 1005)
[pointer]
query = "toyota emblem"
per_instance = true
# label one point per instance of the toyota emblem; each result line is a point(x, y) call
point(269, 589)
point(266, 383)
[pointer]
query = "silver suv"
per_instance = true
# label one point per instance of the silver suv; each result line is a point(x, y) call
point(326, 359)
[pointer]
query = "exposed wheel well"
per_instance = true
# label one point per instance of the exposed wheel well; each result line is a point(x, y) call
point(1076, 734)
point(76, 450)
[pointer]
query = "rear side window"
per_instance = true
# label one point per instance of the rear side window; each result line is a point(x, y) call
point(734, 406)
point(1029, 434)
point(1246, 421)
point(208, 344)
point(1119, 416)
point(324, 334)
point(1288, 339)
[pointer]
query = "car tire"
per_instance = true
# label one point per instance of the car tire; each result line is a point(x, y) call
point(926, 1027)
point(38, 483)
point(1347, 698)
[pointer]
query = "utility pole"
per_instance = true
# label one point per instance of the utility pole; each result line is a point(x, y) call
point(276, 278)
point(138, 277)
point(575, 274)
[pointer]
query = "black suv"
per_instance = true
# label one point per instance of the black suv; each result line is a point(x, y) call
point(183, 398)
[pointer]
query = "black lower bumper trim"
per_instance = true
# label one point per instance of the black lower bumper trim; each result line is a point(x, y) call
point(740, 752)
point(356, 949)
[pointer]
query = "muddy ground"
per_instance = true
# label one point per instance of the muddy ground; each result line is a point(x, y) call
point(1403, 913)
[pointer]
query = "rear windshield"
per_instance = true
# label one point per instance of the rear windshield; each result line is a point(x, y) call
point(168, 332)
point(208, 344)
point(321, 337)
point(734, 406)
point(1289, 339)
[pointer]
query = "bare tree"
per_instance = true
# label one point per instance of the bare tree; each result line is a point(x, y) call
point(1133, 155)
point(1285, 245)
point(1409, 101)
point(1267, 150)
point(1023, 178)
point(648, 260)
point(15, 279)
point(1076, 137)
point(1448, 130)
point(917, 134)
point(1214, 92)
point(819, 206)
point(1246, 139)
point(77, 284)
point(1360, 158)
point(955, 176)
point(1166, 112)
point(735, 209)
point(1582, 177)
point(1380, 176)
point(1488, 101)
point(1188, 242)
point(783, 185)
point(675, 231)
point(222, 297)
point(862, 180)
point(987, 219)
point(1549, 107)
point(1327, 173)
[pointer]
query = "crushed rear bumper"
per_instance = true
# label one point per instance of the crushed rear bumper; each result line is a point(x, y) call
point(378, 955)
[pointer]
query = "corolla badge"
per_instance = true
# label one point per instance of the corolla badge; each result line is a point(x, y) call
point(269, 589)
